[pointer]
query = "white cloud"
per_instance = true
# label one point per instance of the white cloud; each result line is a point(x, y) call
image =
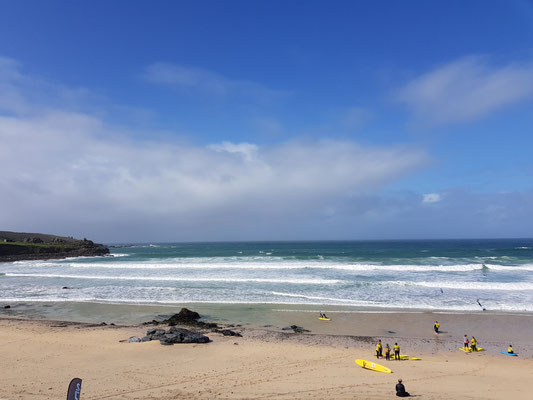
point(70, 159)
point(67, 171)
point(431, 198)
point(466, 89)
point(247, 150)
point(202, 80)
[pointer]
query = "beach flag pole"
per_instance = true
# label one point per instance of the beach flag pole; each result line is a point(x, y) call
point(74, 389)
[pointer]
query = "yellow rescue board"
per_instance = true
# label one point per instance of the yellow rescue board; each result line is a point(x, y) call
point(325, 319)
point(404, 357)
point(373, 366)
point(469, 350)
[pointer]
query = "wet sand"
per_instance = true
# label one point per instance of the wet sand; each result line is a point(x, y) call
point(40, 358)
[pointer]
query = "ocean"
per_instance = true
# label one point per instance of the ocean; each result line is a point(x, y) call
point(447, 275)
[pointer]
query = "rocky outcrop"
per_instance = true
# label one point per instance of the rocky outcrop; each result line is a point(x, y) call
point(173, 335)
point(189, 318)
point(295, 329)
point(15, 246)
point(185, 316)
point(227, 332)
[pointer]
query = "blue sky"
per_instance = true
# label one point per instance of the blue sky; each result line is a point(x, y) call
point(235, 120)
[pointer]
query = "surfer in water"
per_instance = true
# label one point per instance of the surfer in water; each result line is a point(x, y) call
point(483, 308)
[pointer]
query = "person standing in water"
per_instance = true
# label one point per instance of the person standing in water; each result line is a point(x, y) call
point(436, 327)
point(396, 351)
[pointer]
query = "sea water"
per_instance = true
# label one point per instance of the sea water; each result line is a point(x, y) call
point(448, 275)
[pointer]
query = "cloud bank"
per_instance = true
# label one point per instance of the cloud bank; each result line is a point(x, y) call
point(67, 171)
point(466, 90)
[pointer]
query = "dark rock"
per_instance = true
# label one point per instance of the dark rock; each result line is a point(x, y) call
point(186, 336)
point(65, 287)
point(299, 329)
point(8, 306)
point(206, 325)
point(134, 339)
point(227, 332)
point(185, 316)
point(155, 332)
point(174, 335)
point(287, 328)
point(152, 322)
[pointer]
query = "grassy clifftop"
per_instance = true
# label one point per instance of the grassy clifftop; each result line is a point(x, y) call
point(34, 246)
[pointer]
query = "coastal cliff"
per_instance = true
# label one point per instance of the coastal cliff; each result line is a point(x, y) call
point(15, 246)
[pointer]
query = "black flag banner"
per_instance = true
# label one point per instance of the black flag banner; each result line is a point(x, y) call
point(74, 389)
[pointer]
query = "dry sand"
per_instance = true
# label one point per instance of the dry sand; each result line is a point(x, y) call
point(39, 358)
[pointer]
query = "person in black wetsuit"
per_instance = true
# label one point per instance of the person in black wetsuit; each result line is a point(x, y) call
point(400, 389)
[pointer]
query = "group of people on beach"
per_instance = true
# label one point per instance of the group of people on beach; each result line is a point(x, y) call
point(472, 345)
point(379, 351)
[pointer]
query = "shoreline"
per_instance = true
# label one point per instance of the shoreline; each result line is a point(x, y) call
point(263, 364)
point(491, 328)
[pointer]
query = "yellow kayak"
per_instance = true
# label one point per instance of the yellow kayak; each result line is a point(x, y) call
point(324, 319)
point(373, 366)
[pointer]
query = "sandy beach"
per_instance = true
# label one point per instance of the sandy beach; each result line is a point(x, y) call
point(40, 357)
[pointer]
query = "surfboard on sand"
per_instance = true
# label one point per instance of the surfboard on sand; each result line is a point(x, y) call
point(405, 357)
point(469, 350)
point(324, 319)
point(509, 354)
point(373, 366)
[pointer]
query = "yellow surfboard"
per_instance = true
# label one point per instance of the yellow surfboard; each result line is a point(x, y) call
point(373, 366)
point(406, 357)
point(469, 350)
point(324, 319)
